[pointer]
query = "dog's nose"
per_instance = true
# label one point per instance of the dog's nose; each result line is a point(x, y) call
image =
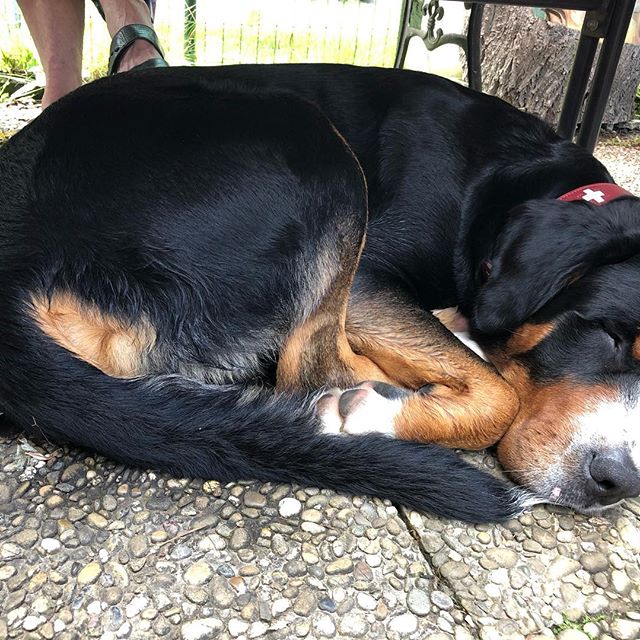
point(612, 476)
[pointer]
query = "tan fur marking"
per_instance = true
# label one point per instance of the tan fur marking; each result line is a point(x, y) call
point(528, 336)
point(470, 406)
point(475, 419)
point(636, 348)
point(543, 427)
point(113, 346)
point(317, 354)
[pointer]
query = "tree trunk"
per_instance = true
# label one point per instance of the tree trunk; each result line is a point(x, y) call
point(526, 61)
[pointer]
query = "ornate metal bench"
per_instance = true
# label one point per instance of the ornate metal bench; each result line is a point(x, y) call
point(605, 19)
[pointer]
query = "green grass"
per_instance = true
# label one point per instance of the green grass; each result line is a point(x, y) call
point(17, 64)
point(579, 625)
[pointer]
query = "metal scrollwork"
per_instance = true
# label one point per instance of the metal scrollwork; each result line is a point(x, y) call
point(433, 38)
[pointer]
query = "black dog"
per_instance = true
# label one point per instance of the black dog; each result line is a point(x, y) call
point(180, 277)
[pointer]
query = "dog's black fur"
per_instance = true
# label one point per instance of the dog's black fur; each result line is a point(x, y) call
point(193, 197)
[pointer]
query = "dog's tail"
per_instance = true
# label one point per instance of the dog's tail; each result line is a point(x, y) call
point(228, 433)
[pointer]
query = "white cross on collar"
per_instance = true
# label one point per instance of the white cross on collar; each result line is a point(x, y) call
point(593, 196)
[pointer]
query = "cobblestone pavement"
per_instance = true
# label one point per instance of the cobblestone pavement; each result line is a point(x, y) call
point(92, 549)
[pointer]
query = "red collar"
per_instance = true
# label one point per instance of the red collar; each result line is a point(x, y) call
point(599, 193)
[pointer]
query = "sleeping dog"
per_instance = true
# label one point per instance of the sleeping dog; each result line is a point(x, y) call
point(230, 273)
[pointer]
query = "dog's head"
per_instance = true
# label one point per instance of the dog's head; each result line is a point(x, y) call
point(558, 313)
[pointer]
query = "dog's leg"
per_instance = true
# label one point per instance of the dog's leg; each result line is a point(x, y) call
point(446, 393)
point(316, 354)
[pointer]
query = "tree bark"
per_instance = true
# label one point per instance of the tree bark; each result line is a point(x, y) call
point(526, 61)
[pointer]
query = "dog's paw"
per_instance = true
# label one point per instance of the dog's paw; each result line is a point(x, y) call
point(371, 407)
point(327, 409)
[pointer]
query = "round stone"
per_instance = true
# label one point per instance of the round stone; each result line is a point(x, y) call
point(499, 576)
point(366, 602)
point(340, 566)
point(50, 545)
point(620, 582)
point(327, 604)
point(212, 487)
point(295, 568)
point(441, 600)
point(594, 562)
point(237, 627)
point(454, 570)
point(325, 626)
point(279, 606)
point(544, 538)
point(112, 595)
point(305, 603)
point(26, 538)
point(72, 472)
point(90, 573)
point(223, 594)
point(6, 571)
point(198, 573)
point(109, 502)
point(353, 626)
point(622, 629)
point(97, 521)
point(136, 605)
point(562, 566)
point(138, 546)
point(311, 515)
point(258, 629)
point(532, 546)
point(596, 604)
point(201, 629)
point(239, 539)
point(418, 602)
point(288, 507)
point(30, 623)
point(226, 570)
point(572, 634)
point(254, 500)
point(505, 558)
point(630, 535)
point(180, 552)
point(196, 595)
point(404, 624)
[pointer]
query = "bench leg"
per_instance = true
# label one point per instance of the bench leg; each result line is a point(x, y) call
point(474, 47)
point(404, 34)
point(578, 80)
point(605, 72)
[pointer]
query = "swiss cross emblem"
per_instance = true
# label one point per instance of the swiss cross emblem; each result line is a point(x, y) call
point(593, 196)
point(597, 194)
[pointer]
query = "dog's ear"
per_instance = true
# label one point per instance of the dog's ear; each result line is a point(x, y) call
point(546, 245)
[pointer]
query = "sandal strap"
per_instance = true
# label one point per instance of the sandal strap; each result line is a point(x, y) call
point(124, 38)
point(152, 63)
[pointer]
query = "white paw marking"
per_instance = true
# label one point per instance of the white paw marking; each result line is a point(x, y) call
point(374, 414)
point(331, 422)
point(328, 412)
